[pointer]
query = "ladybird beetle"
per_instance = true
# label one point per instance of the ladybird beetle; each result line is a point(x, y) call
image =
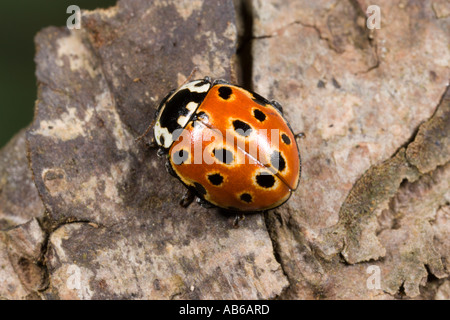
point(230, 147)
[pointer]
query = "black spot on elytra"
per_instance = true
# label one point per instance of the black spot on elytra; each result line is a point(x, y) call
point(242, 128)
point(285, 139)
point(216, 179)
point(223, 155)
point(246, 197)
point(200, 189)
point(225, 92)
point(180, 156)
point(265, 180)
point(261, 116)
point(277, 161)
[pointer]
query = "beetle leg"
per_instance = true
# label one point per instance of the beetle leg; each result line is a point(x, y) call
point(277, 105)
point(170, 169)
point(300, 135)
point(187, 198)
point(239, 217)
point(220, 81)
point(161, 152)
point(204, 203)
point(152, 144)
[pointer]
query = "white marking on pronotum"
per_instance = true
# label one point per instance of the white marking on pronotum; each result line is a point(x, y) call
point(192, 106)
point(183, 120)
point(164, 132)
point(191, 86)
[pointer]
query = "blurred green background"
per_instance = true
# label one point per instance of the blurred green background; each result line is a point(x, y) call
point(20, 20)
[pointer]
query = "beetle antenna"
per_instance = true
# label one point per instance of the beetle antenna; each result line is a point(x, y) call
point(193, 72)
point(146, 131)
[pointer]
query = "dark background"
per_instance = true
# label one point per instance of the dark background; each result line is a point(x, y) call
point(20, 20)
